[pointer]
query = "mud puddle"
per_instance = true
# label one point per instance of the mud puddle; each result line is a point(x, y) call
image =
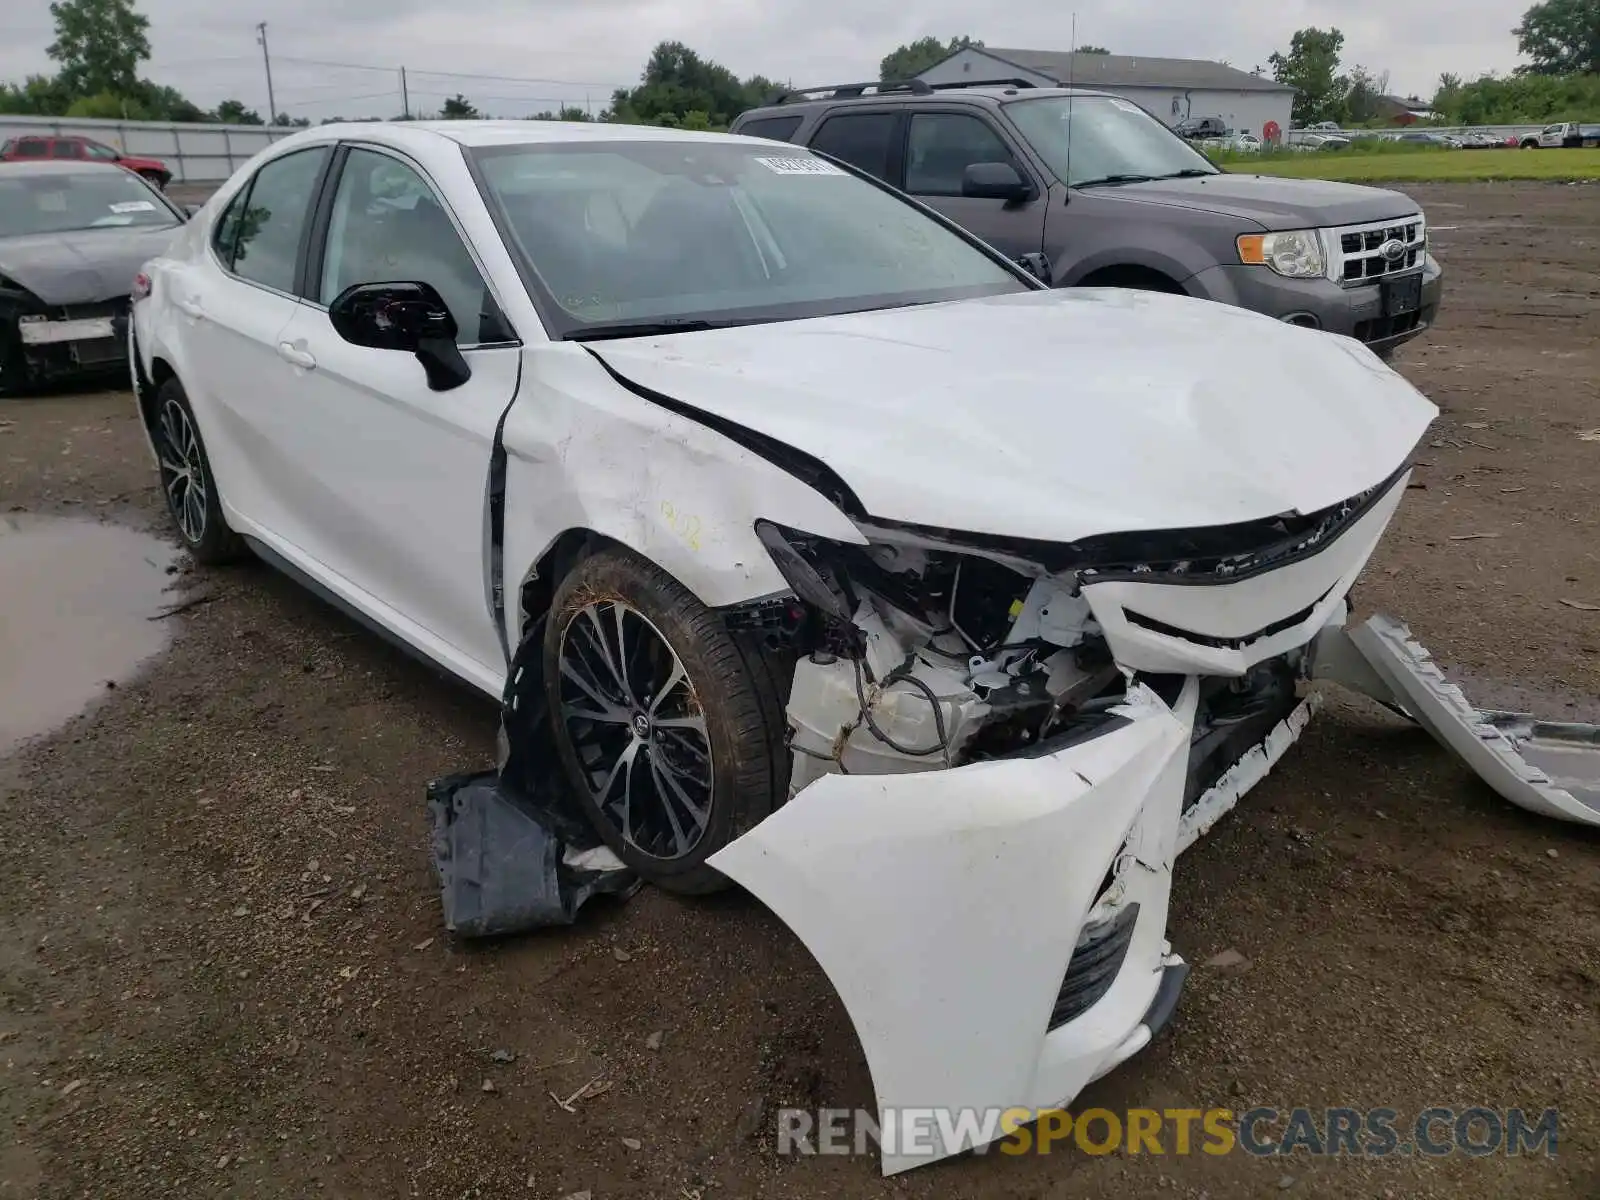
point(76, 602)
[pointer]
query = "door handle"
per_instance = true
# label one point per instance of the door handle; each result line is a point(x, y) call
point(290, 353)
point(190, 308)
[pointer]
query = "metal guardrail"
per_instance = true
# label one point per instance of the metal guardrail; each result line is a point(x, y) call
point(194, 153)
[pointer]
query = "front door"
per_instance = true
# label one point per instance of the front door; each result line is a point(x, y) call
point(940, 146)
point(384, 480)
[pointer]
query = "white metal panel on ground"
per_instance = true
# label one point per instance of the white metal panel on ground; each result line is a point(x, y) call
point(1548, 767)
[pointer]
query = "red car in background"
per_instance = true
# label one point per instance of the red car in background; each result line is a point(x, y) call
point(37, 147)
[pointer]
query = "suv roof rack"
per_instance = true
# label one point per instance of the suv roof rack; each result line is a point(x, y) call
point(839, 91)
point(972, 83)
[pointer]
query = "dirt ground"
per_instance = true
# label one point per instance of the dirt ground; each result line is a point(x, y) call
point(222, 971)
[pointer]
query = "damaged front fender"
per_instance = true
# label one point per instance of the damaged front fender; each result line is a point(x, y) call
point(946, 908)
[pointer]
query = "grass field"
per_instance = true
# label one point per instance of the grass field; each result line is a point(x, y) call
point(1422, 166)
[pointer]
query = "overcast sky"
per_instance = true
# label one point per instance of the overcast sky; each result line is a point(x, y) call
point(595, 45)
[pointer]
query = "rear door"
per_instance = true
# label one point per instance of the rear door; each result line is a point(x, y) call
point(940, 146)
point(232, 303)
point(869, 139)
point(383, 482)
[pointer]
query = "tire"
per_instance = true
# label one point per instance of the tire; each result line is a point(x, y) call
point(159, 182)
point(664, 798)
point(187, 484)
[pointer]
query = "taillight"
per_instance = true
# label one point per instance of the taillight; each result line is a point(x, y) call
point(141, 286)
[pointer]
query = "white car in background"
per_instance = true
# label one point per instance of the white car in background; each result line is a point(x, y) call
point(828, 551)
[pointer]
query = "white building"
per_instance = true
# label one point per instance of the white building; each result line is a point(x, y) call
point(1174, 89)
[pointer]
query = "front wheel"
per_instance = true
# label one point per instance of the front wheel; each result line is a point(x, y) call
point(187, 483)
point(159, 182)
point(664, 728)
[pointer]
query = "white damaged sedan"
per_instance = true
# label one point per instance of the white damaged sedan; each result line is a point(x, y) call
point(939, 609)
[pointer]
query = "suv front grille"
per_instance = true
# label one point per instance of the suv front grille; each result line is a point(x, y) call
point(1360, 257)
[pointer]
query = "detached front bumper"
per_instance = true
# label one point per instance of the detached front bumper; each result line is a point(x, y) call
point(1323, 304)
point(962, 914)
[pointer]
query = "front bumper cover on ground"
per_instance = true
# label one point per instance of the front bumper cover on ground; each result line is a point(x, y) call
point(945, 907)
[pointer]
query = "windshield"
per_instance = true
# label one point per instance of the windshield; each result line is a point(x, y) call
point(1110, 140)
point(679, 232)
point(59, 201)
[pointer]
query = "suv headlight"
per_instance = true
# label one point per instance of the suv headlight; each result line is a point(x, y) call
point(1293, 253)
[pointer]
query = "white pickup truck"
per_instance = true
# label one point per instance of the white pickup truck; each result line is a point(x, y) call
point(1563, 133)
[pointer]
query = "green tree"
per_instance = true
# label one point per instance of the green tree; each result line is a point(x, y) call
point(233, 112)
point(36, 96)
point(1562, 37)
point(1312, 68)
point(109, 106)
point(1093, 50)
point(904, 62)
point(677, 82)
point(1364, 97)
point(167, 104)
point(459, 108)
point(284, 120)
point(99, 44)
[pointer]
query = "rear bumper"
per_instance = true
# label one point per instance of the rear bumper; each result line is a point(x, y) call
point(965, 920)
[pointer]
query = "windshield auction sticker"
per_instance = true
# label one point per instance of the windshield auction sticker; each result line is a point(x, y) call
point(799, 166)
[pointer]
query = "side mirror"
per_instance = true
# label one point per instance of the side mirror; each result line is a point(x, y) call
point(1038, 266)
point(994, 181)
point(411, 317)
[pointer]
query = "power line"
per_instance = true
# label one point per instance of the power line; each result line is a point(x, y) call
point(341, 99)
point(318, 62)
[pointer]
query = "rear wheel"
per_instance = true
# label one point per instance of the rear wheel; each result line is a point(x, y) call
point(186, 481)
point(663, 727)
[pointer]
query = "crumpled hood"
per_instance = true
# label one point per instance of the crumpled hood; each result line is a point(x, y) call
point(82, 266)
point(1271, 202)
point(1056, 414)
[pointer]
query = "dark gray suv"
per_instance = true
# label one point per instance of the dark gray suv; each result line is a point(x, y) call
point(1092, 190)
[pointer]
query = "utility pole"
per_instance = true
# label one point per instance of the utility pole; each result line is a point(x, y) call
point(405, 96)
point(266, 59)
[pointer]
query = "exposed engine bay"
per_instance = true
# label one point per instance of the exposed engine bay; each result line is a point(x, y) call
point(916, 652)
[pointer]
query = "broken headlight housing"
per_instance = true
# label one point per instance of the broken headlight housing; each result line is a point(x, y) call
point(1292, 253)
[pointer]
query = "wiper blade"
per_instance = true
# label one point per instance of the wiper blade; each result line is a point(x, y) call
point(1188, 173)
point(627, 329)
point(1115, 179)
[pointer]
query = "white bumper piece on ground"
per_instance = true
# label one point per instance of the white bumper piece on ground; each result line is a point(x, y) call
point(964, 915)
point(1548, 767)
point(945, 906)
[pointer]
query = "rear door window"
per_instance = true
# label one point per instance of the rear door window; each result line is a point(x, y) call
point(60, 148)
point(864, 140)
point(778, 129)
point(272, 223)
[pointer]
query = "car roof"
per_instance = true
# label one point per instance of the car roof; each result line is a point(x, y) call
point(48, 166)
point(990, 93)
point(502, 133)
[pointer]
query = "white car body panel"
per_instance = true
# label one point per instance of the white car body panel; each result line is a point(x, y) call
point(944, 908)
point(1001, 393)
point(944, 904)
point(1314, 586)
